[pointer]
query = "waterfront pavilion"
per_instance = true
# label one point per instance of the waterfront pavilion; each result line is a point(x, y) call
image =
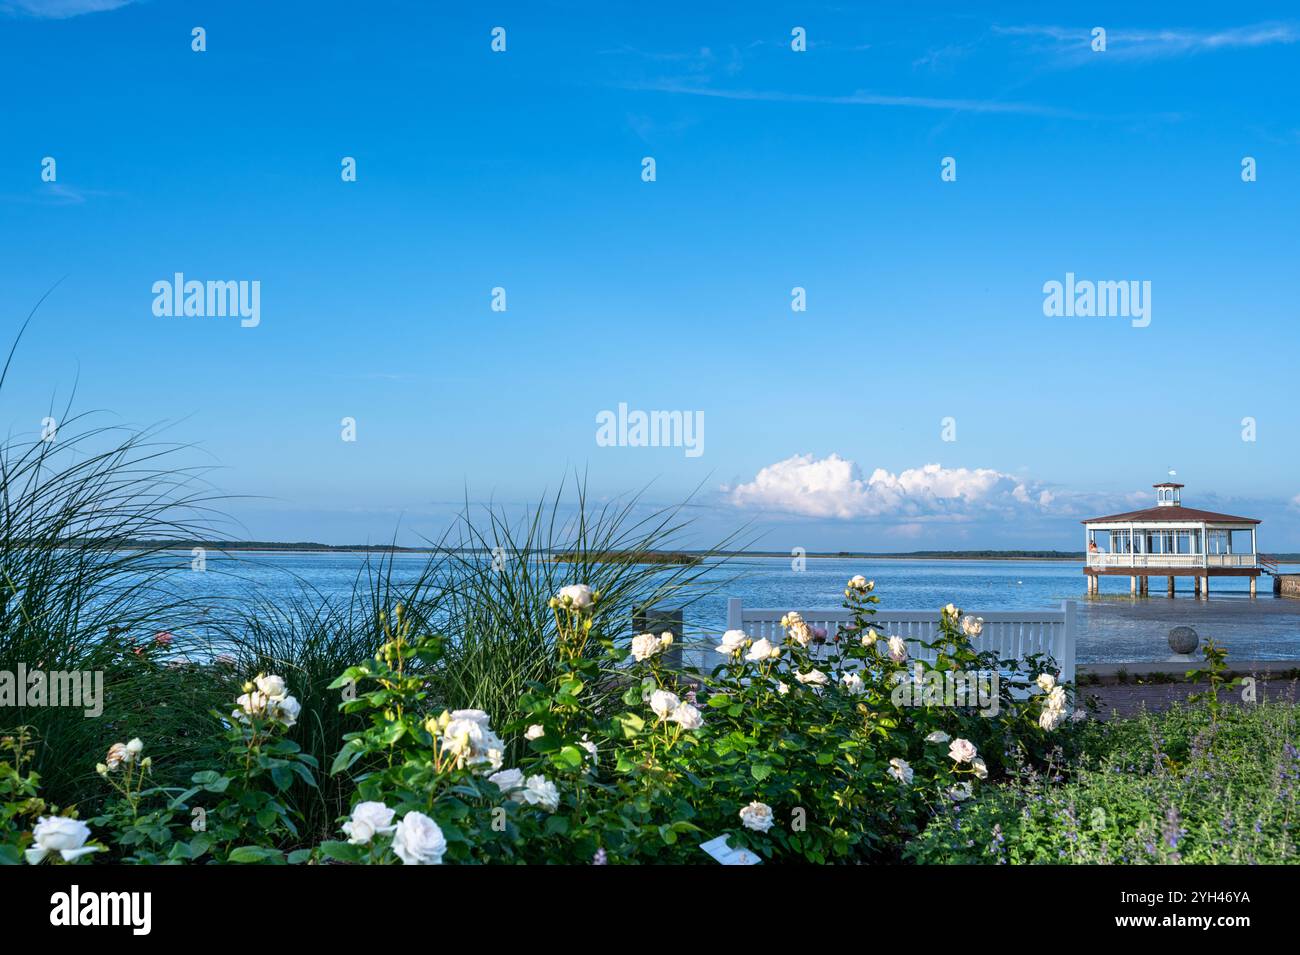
point(1171, 541)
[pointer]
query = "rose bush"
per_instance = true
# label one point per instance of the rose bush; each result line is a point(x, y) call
point(802, 746)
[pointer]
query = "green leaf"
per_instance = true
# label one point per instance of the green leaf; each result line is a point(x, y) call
point(347, 756)
point(252, 854)
point(632, 724)
point(183, 798)
point(307, 775)
point(392, 733)
point(350, 675)
point(211, 780)
point(569, 756)
point(342, 851)
point(760, 771)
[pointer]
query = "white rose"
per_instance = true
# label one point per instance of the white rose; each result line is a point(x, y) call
point(538, 791)
point(577, 596)
point(960, 792)
point(250, 704)
point(980, 767)
point(853, 683)
point(951, 611)
point(687, 716)
point(1050, 718)
point(733, 641)
point(962, 750)
point(762, 650)
point(417, 840)
point(1056, 699)
point(117, 755)
point(798, 630)
point(663, 703)
point(782, 689)
point(900, 770)
point(368, 818)
point(644, 646)
point(285, 711)
point(59, 834)
point(589, 746)
point(870, 637)
point(536, 731)
point(507, 780)
point(815, 677)
point(472, 743)
point(271, 686)
point(897, 649)
point(1045, 682)
point(938, 736)
point(757, 816)
point(858, 582)
point(972, 626)
point(476, 716)
point(135, 747)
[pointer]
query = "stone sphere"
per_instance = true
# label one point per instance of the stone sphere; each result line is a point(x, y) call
point(1183, 640)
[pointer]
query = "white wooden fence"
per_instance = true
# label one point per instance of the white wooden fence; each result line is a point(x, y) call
point(1014, 635)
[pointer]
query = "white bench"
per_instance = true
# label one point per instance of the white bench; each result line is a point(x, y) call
point(1013, 634)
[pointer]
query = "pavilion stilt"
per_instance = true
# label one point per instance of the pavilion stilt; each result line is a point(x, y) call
point(1171, 586)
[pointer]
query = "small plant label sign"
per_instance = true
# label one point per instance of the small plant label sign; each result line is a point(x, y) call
point(726, 855)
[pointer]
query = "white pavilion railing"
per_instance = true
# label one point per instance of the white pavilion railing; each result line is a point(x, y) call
point(1014, 634)
point(1171, 561)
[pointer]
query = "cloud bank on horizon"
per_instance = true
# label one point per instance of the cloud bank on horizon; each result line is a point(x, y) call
point(833, 487)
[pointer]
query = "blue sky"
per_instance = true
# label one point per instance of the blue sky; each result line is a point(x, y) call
point(775, 169)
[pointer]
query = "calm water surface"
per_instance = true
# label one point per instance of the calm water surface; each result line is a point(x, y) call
point(1114, 627)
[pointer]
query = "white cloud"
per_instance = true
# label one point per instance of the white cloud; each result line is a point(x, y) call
point(59, 9)
point(858, 98)
point(1137, 44)
point(833, 487)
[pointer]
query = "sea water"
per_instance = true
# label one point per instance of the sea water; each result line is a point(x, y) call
point(1113, 628)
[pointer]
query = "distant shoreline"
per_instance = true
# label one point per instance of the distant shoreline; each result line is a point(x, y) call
point(662, 557)
point(648, 556)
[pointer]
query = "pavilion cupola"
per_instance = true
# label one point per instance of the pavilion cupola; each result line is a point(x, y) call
point(1167, 494)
